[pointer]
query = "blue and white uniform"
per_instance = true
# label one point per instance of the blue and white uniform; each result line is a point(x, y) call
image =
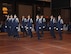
point(8, 26)
point(38, 26)
point(60, 26)
point(24, 25)
point(43, 24)
point(15, 24)
point(51, 27)
point(29, 26)
point(7, 23)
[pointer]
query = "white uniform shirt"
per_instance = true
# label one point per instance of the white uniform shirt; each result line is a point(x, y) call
point(37, 19)
point(17, 20)
point(10, 18)
point(13, 19)
point(54, 21)
point(44, 20)
point(25, 20)
point(61, 21)
point(40, 20)
point(31, 21)
point(7, 19)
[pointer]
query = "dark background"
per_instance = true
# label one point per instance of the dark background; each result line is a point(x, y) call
point(60, 3)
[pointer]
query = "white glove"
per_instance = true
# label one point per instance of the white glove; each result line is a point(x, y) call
point(30, 27)
point(43, 26)
point(50, 28)
point(61, 28)
point(56, 28)
point(39, 27)
point(16, 27)
point(21, 26)
point(5, 26)
point(26, 27)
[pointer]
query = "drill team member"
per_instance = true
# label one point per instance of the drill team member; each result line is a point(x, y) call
point(60, 26)
point(43, 24)
point(51, 27)
point(23, 25)
point(38, 26)
point(29, 26)
point(15, 24)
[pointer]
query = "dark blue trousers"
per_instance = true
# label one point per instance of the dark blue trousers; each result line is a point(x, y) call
point(52, 33)
point(38, 34)
point(30, 33)
point(60, 34)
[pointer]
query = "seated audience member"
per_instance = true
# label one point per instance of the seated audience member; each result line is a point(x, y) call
point(69, 26)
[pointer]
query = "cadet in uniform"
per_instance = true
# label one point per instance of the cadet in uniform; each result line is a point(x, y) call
point(43, 24)
point(51, 27)
point(8, 25)
point(29, 26)
point(69, 27)
point(38, 26)
point(23, 25)
point(59, 26)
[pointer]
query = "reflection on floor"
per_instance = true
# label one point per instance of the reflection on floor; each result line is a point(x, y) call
point(27, 45)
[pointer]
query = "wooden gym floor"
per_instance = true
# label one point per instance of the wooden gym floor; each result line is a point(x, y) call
point(27, 45)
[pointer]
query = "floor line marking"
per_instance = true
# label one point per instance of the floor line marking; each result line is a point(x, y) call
point(33, 50)
point(59, 47)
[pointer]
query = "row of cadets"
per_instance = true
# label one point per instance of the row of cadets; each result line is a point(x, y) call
point(23, 25)
point(29, 26)
point(12, 25)
point(40, 24)
point(60, 26)
point(56, 24)
point(15, 26)
point(51, 26)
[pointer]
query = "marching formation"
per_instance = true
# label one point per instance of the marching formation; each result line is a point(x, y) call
point(27, 26)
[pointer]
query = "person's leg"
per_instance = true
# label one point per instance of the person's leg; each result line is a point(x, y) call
point(42, 31)
point(52, 33)
point(30, 33)
point(60, 34)
point(38, 34)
